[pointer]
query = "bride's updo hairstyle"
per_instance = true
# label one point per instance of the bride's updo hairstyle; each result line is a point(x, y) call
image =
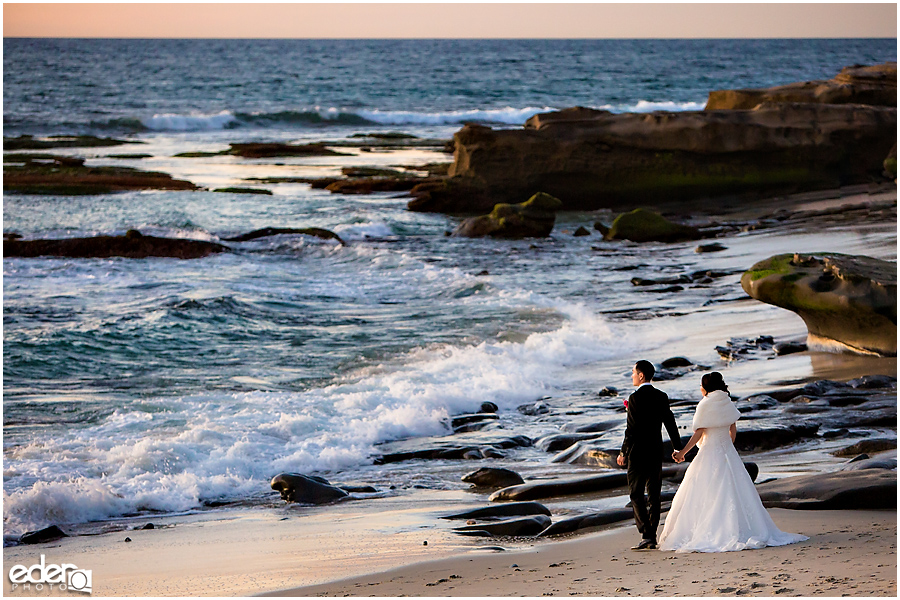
point(713, 381)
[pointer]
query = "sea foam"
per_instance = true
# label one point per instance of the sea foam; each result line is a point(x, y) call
point(173, 454)
point(318, 117)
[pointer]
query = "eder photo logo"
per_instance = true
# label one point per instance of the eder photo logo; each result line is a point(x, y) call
point(63, 578)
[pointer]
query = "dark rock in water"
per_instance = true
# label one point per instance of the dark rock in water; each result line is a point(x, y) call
point(868, 446)
point(833, 433)
point(863, 461)
point(452, 452)
point(585, 454)
point(369, 185)
point(561, 487)
point(243, 190)
point(270, 150)
point(785, 348)
point(533, 218)
point(130, 245)
point(358, 489)
point(528, 526)
point(863, 489)
point(640, 281)
point(676, 361)
point(581, 232)
point(12, 236)
point(757, 440)
point(306, 489)
point(493, 477)
point(591, 427)
point(608, 391)
point(851, 300)
point(737, 348)
point(488, 452)
point(857, 84)
point(512, 509)
point(561, 441)
point(28, 142)
point(873, 382)
point(48, 174)
point(597, 519)
point(47, 534)
point(714, 247)
point(269, 231)
point(755, 403)
point(489, 407)
point(603, 229)
point(148, 526)
point(535, 409)
point(642, 225)
point(460, 420)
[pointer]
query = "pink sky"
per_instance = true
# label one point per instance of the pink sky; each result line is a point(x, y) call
point(456, 20)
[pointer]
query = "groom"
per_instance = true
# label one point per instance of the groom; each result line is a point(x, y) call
point(648, 410)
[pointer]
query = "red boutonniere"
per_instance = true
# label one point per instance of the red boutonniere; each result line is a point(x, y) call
point(625, 402)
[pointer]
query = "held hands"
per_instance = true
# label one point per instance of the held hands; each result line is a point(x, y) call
point(678, 456)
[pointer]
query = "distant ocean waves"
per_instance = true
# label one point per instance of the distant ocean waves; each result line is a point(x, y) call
point(175, 454)
point(334, 117)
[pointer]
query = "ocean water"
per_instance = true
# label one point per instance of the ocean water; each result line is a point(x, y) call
point(164, 385)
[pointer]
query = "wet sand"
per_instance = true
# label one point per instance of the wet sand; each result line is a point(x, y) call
point(848, 553)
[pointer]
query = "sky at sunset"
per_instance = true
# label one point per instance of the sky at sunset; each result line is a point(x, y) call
point(456, 20)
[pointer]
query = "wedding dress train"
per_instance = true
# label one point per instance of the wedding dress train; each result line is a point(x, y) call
point(717, 507)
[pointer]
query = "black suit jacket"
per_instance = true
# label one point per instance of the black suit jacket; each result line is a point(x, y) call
point(648, 411)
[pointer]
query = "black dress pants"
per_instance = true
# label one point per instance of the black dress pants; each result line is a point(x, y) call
point(645, 474)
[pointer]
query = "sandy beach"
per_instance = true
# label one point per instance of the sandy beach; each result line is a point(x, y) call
point(349, 551)
point(849, 553)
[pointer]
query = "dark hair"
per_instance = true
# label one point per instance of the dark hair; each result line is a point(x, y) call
point(645, 367)
point(713, 381)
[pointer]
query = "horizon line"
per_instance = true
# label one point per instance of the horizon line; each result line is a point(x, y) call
point(61, 37)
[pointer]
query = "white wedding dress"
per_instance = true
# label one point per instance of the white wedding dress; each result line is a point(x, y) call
point(717, 507)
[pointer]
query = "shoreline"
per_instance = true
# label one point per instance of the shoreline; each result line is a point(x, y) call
point(848, 552)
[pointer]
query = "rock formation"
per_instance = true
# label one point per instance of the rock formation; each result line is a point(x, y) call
point(642, 225)
point(533, 218)
point(592, 159)
point(131, 245)
point(64, 175)
point(269, 231)
point(306, 489)
point(851, 300)
point(863, 489)
point(857, 84)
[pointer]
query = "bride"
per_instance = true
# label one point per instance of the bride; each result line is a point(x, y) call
point(717, 508)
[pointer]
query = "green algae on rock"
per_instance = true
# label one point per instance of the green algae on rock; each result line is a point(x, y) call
point(533, 218)
point(846, 301)
point(642, 225)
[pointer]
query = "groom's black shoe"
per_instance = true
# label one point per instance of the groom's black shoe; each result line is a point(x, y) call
point(645, 545)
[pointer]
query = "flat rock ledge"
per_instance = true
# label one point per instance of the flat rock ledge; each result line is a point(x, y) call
point(863, 489)
point(846, 301)
point(856, 84)
point(131, 245)
point(593, 159)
